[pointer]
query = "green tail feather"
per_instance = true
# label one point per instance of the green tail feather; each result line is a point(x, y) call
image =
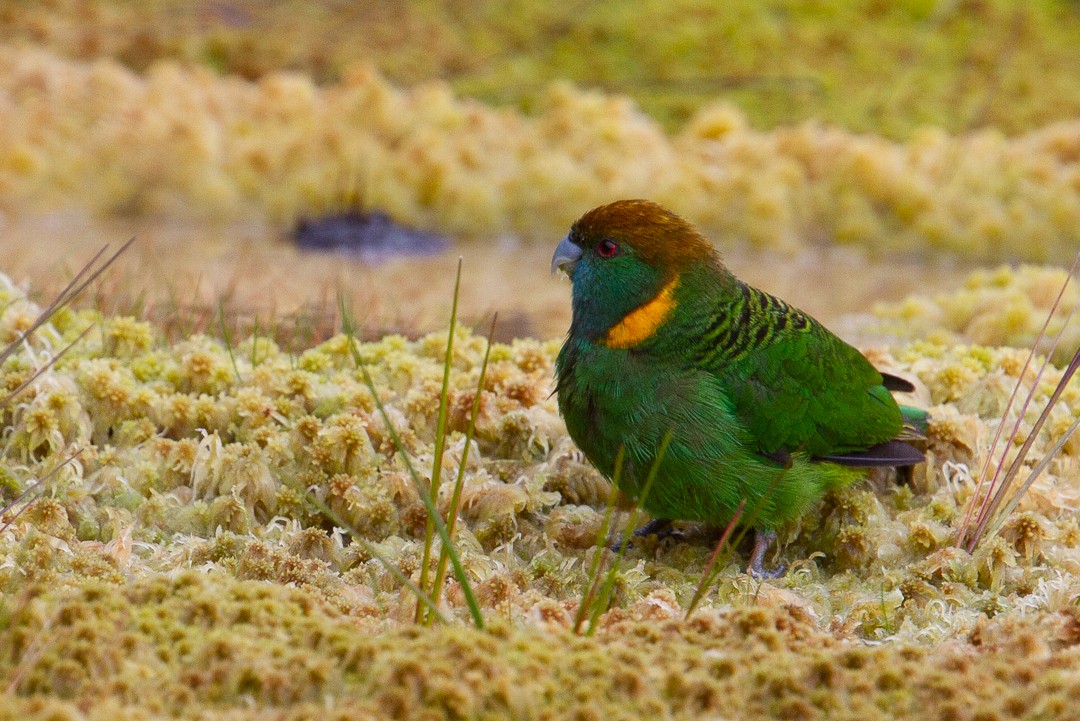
point(916, 424)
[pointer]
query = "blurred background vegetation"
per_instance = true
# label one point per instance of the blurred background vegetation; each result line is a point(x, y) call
point(892, 145)
point(869, 66)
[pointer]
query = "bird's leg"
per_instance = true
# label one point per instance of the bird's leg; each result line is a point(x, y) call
point(762, 541)
point(905, 475)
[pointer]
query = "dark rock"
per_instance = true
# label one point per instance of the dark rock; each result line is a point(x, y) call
point(370, 237)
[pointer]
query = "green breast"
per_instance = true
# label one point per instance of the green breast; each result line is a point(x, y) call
point(611, 398)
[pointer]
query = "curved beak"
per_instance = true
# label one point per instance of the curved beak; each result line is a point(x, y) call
point(566, 255)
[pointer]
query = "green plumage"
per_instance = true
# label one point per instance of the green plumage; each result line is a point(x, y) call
point(754, 392)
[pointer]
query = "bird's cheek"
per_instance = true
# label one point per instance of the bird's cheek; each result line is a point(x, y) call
point(579, 285)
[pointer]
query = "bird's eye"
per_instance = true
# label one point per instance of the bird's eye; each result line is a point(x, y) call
point(607, 248)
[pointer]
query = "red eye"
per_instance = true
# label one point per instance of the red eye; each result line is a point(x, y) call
point(607, 248)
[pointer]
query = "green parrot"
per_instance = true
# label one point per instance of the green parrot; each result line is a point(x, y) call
point(757, 401)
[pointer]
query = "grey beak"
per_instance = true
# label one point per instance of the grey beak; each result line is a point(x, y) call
point(566, 255)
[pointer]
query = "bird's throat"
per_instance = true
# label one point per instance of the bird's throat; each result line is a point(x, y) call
point(641, 323)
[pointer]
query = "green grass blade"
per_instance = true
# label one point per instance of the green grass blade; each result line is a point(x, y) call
point(423, 598)
point(227, 338)
point(592, 578)
point(421, 487)
point(609, 582)
point(459, 483)
point(255, 343)
point(440, 438)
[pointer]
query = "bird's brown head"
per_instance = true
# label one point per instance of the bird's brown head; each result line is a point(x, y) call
point(625, 260)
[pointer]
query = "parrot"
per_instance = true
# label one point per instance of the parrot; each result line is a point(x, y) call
point(729, 397)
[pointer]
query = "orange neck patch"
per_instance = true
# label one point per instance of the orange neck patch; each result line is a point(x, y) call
point(639, 324)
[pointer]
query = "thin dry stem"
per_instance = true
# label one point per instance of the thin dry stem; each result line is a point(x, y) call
point(67, 294)
point(986, 495)
point(707, 574)
point(991, 498)
point(33, 488)
point(49, 364)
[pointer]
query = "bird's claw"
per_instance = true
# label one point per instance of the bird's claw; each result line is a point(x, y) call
point(762, 541)
point(659, 527)
point(767, 574)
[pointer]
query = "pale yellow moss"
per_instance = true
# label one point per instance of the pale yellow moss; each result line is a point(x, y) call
point(126, 336)
point(994, 308)
point(191, 462)
point(181, 141)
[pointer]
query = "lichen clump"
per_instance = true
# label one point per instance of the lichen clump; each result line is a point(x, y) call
point(186, 528)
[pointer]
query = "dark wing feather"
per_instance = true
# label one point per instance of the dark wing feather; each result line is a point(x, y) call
point(896, 384)
point(797, 386)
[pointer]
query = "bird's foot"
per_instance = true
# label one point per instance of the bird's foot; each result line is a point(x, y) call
point(656, 527)
point(659, 527)
point(762, 541)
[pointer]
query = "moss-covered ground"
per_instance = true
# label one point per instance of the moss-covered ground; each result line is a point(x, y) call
point(180, 566)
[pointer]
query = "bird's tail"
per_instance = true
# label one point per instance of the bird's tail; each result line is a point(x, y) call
point(887, 454)
point(898, 452)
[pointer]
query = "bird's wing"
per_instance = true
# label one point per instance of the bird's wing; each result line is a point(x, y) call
point(798, 387)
